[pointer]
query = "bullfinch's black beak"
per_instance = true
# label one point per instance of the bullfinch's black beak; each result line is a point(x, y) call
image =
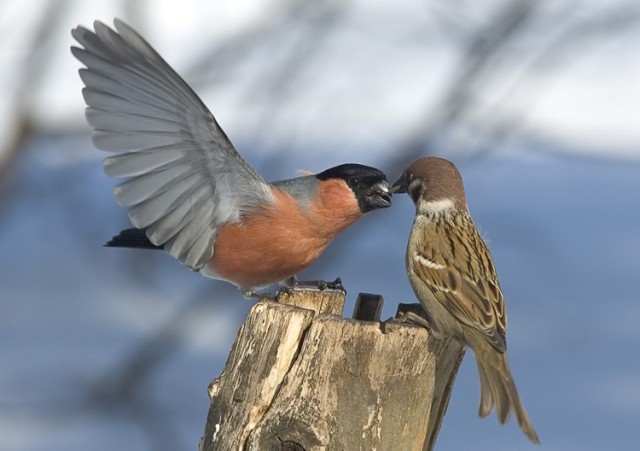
point(380, 195)
point(401, 185)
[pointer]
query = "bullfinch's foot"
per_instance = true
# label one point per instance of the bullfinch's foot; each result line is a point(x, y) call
point(335, 285)
point(255, 296)
point(289, 285)
point(292, 284)
point(322, 285)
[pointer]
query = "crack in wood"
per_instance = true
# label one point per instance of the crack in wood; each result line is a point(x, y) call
point(301, 377)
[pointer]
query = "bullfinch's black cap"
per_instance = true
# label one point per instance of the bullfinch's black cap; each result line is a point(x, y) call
point(369, 184)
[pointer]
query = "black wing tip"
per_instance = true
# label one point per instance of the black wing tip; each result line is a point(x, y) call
point(132, 238)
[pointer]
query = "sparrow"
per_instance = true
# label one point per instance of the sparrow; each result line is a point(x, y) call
point(453, 276)
point(188, 191)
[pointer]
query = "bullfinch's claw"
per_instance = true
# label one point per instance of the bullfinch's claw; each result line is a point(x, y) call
point(336, 285)
point(291, 284)
point(323, 285)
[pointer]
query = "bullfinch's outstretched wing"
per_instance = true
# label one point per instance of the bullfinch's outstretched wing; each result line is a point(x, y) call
point(185, 177)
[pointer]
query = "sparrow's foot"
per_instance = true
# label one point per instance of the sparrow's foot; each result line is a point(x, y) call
point(415, 319)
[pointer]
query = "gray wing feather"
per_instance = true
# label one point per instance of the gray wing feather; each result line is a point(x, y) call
point(185, 179)
point(152, 159)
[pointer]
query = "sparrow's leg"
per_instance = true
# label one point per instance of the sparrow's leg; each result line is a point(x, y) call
point(415, 319)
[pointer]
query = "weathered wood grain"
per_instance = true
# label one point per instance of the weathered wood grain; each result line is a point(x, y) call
point(297, 379)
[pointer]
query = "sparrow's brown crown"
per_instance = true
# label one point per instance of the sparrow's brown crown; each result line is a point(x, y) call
point(432, 179)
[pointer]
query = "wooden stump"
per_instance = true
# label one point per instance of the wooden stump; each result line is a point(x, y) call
point(308, 379)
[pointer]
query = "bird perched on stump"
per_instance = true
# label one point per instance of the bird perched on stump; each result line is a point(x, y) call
point(189, 191)
point(452, 274)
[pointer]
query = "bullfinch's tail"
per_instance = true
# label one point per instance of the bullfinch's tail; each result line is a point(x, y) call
point(133, 238)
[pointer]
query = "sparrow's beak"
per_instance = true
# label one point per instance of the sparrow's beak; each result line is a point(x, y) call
point(380, 195)
point(401, 185)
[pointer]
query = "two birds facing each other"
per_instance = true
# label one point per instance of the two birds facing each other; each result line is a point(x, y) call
point(189, 192)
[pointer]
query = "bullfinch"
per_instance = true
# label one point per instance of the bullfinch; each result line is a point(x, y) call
point(452, 274)
point(188, 191)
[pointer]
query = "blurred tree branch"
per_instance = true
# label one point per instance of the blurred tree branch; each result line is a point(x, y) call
point(518, 42)
point(127, 389)
point(315, 22)
point(32, 71)
point(281, 20)
point(476, 54)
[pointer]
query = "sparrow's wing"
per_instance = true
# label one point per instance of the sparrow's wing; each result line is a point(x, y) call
point(185, 177)
point(461, 275)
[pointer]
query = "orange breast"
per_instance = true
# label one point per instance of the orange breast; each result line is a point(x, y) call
point(279, 242)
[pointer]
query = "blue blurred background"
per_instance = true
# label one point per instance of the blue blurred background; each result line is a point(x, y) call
point(536, 102)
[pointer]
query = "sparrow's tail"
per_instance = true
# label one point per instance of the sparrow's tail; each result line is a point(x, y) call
point(134, 238)
point(498, 388)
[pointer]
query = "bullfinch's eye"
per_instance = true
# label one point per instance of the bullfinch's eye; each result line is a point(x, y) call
point(354, 182)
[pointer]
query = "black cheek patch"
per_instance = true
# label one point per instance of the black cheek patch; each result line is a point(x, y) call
point(415, 191)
